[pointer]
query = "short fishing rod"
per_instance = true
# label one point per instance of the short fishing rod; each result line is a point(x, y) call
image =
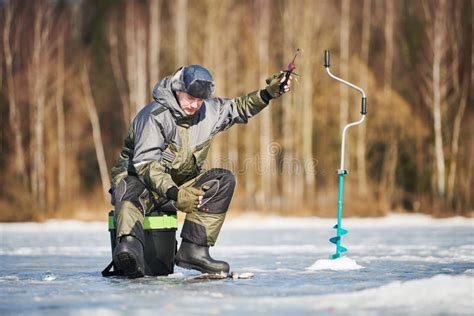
point(289, 71)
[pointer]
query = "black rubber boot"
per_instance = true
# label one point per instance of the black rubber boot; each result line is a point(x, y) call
point(129, 258)
point(192, 256)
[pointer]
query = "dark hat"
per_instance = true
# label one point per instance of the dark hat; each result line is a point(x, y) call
point(195, 80)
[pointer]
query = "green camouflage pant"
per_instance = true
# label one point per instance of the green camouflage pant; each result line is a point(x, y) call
point(202, 227)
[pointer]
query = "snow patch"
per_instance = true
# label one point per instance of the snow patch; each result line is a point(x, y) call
point(435, 294)
point(176, 275)
point(441, 294)
point(339, 264)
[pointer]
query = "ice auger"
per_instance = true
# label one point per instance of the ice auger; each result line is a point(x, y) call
point(341, 171)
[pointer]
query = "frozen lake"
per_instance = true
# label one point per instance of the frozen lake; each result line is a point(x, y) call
point(412, 265)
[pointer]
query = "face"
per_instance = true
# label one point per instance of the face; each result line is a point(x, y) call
point(188, 103)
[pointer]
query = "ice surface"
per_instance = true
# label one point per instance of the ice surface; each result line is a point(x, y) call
point(339, 264)
point(412, 265)
point(437, 295)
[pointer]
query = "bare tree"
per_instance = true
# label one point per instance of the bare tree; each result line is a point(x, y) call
point(439, 50)
point(390, 158)
point(363, 79)
point(233, 76)
point(61, 130)
point(14, 116)
point(117, 69)
point(136, 48)
point(344, 43)
point(38, 82)
point(96, 134)
point(181, 31)
point(212, 59)
point(154, 42)
point(462, 90)
point(130, 44)
point(263, 38)
point(310, 32)
point(289, 139)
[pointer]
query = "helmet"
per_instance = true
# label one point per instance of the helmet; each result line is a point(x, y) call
point(196, 81)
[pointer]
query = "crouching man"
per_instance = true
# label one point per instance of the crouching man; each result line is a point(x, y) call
point(160, 166)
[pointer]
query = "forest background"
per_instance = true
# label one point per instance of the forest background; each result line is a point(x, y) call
point(74, 73)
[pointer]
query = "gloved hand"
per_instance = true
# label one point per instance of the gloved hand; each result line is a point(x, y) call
point(273, 84)
point(188, 199)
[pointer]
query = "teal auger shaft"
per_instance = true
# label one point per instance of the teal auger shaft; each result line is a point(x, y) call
point(340, 231)
point(343, 172)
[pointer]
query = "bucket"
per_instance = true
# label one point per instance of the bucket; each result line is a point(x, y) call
point(160, 241)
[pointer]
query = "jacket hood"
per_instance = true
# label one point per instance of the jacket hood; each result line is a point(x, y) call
point(164, 95)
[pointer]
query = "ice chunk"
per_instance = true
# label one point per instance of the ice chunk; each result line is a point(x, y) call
point(242, 275)
point(48, 276)
point(342, 263)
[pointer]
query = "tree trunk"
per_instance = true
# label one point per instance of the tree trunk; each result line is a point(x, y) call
point(154, 42)
point(233, 76)
point(38, 77)
point(455, 141)
point(464, 96)
point(141, 49)
point(181, 32)
point(14, 117)
point(439, 37)
point(136, 49)
point(363, 79)
point(60, 121)
point(117, 70)
point(212, 61)
point(131, 46)
point(344, 42)
point(96, 134)
point(266, 172)
point(390, 159)
point(308, 33)
point(287, 174)
point(388, 176)
point(469, 180)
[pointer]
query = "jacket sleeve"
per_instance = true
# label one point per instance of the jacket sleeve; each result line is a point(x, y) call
point(240, 109)
point(148, 153)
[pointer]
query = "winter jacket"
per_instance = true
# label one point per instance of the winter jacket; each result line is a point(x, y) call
point(166, 148)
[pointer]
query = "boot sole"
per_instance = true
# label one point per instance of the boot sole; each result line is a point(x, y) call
point(190, 266)
point(128, 265)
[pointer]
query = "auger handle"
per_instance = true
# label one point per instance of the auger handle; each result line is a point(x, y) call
point(327, 64)
point(326, 59)
point(363, 106)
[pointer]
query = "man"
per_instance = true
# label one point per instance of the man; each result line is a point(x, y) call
point(160, 166)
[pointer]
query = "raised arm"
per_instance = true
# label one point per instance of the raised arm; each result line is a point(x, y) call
point(239, 110)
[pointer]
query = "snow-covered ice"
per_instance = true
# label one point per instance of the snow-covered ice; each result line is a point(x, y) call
point(339, 264)
point(411, 265)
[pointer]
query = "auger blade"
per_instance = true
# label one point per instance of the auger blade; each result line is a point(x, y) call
point(339, 250)
point(334, 240)
point(335, 256)
point(342, 249)
point(342, 230)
